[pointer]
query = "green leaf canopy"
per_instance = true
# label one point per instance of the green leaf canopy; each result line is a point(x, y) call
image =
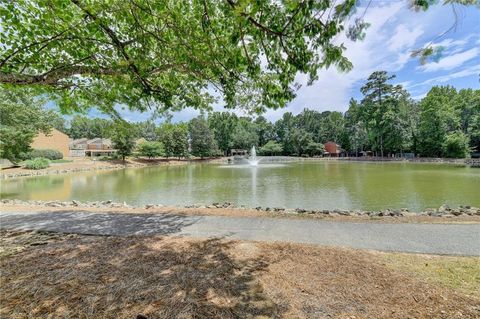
point(169, 54)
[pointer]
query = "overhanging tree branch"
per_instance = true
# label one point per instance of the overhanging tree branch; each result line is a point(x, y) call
point(118, 44)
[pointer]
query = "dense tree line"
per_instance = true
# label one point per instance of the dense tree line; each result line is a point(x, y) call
point(385, 121)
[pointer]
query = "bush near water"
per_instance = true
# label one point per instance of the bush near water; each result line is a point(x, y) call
point(37, 163)
point(44, 153)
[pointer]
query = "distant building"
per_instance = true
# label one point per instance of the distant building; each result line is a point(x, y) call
point(238, 153)
point(91, 147)
point(332, 149)
point(55, 140)
point(78, 147)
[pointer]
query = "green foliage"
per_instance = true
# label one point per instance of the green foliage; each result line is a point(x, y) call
point(108, 158)
point(437, 118)
point(37, 163)
point(284, 128)
point(174, 138)
point(380, 113)
point(264, 129)
point(467, 105)
point(146, 130)
point(165, 53)
point(357, 31)
point(151, 149)
point(57, 121)
point(22, 118)
point(271, 148)
point(314, 149)
point(355, 133)
point(61, 161)
point(202, 140)
point(300, 140)
point(245, 135)
point(84, 127)
point(46, 153)
point(455, 145)
point(223, 125)
point(122, 139)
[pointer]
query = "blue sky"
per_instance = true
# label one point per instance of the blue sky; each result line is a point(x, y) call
point(395, 31)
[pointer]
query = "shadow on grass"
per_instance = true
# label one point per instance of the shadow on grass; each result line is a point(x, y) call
point(112, 277)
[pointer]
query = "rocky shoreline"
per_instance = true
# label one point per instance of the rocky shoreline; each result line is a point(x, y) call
point(44, 172)
point(443, 211)
point(63, 171)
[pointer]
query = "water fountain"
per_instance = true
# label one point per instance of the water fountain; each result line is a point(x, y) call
point(252, 160)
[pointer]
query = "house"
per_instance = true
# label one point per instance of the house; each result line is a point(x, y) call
point(332, 149)
point(91, 147)
point(77, 147)
point(55, 140)
point(99, 147)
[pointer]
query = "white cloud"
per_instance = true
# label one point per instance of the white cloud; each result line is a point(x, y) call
point(404, 38)
point(333, 89)
point(475, 70)
point(452, 61)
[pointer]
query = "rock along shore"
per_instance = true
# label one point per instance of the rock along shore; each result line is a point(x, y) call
point(443, 211)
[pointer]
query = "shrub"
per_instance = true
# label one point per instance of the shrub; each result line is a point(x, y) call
point(271, 148)
point(112, 157)
point(456, 145)
point(37, 163)
point(24, 156)
point(46, 153)
point(151, 149)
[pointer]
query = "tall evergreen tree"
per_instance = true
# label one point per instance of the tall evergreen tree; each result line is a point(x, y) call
point(202, 140)
point(380, 111)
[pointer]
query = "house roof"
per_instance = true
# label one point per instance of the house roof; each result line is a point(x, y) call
point(79, 141)
point(94, 140)
point(103, 141)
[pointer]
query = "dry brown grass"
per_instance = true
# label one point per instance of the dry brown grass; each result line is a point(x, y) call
point(113, 277)
point(320, 282)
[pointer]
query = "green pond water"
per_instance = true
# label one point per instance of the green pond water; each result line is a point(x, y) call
point(308, 184)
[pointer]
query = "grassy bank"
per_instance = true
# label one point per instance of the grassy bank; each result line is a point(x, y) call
point(75, 276)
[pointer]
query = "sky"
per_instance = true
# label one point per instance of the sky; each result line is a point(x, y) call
point(395, 31)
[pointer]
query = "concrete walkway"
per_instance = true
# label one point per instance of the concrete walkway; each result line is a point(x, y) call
point(451, 239)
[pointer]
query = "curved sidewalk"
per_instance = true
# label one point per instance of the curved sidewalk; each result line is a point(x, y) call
point(449, 239)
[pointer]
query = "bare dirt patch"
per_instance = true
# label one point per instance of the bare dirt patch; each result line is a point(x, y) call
point(112, 277)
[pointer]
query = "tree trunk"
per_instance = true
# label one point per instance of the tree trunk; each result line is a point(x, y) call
point(381, 145)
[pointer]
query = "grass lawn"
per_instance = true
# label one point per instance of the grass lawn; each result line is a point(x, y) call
point(459, 273)
point(72, 276)
point(51, 161)
point(61, 161)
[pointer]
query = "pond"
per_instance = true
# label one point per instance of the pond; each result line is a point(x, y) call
point(304, 184)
